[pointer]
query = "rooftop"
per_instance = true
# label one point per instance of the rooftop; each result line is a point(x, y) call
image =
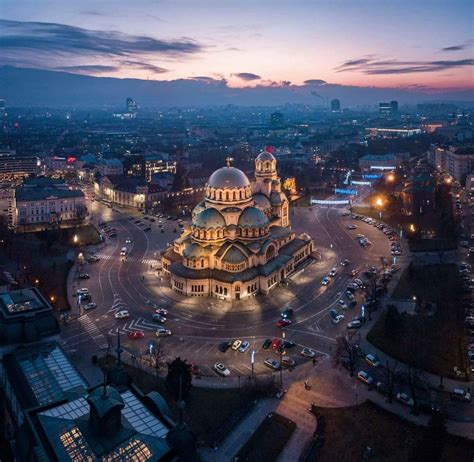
point(35, 194)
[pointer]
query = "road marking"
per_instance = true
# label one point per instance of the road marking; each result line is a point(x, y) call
point(94, 332)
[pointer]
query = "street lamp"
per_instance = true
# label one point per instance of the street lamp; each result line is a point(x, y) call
point(390, 177)
point(379, 205)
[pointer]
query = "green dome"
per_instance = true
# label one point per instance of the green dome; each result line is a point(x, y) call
point(252, 217)
point(208, 219)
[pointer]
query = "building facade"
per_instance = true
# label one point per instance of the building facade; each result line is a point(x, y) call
point(240, 242)
point(457, 162)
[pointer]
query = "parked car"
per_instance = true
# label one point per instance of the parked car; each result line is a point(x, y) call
point(266, 344)
point(236, 344)
point(338, 319)
point(244, 346)
point(342, 304)
point(221, 369)
point(90, 306)
point(365, 377)
point(272, 363)
point(372, 360)
point(158, 317)
point(288, 362)
point(224, 346)
point(288, 313)
point(308, 353)
point(355, 324)
point(460, 394)
point(405, 399)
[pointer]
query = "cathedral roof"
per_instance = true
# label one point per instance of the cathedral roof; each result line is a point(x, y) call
point(252, 217)
point(265, 156)
point(194, 251)
point(209, 218)
point(261, 201)
point(228, 177)
point(234, 255)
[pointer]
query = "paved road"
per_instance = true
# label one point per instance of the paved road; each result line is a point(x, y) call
point(199, 324)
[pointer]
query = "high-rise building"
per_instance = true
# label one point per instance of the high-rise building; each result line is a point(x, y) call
point(3, 109)
point(131, 105)
point(335, 105)
point(388, 109)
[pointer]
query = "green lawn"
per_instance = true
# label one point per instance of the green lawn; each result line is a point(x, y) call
point(432, 338)
point(268, 440)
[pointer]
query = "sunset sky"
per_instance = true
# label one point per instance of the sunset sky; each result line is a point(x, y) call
point(383, 43)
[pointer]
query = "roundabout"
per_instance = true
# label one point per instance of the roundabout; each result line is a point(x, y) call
point(199, 325)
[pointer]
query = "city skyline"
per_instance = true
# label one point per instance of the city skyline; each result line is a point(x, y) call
point(264, 45)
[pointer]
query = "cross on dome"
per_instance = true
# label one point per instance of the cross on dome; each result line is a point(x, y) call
point(229, 160)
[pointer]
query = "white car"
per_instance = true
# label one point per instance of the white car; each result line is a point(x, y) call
point(221, 369)
point(342, 304)
point(308, 353)
point(372, 360)
point(351, 226)
point(354, 324)
point(365, 377)
point(333, 272)
point(122, 314)
point(405, 399)
point(338, 319)
point(128, 240)
point(90, 306)
point(82, 291)
point(325, 281)
point(162, 332)
point(236, 344)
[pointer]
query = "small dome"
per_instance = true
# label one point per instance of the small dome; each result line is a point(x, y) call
point(261, 201)
point(194, 251)
point(228, 177)
point(209, 218)
point(199, 208)
point(265, 156)
point(252, 217)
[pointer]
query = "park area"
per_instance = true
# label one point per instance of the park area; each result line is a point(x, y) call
point(431, 335)
point(346, 433)
point(268, 440)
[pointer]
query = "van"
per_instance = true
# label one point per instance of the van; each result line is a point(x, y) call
point(123, 252)
point(460, 394)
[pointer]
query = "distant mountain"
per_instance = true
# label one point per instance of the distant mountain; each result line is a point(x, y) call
point(34, 87)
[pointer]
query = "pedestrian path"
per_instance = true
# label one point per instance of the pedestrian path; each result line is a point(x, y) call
point(98, 337)
point(145, 261)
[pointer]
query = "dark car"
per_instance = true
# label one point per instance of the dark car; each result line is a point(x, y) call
point(288, 344)
point(288, 313)
point(266, 344)
point(224, 346)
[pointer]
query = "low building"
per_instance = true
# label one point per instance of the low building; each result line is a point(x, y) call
point(109, 167)
point(375, 132)
point(61, 165)
point(418, 195)
point(381, 161)
point(47, 202)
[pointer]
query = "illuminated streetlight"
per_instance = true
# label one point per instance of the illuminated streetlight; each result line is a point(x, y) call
point(391, 177)
point(75, 239)
point(52, 298)
point(412, 228)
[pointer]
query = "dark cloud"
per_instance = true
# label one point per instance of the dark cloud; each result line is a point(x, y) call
point(315, 82)
point(247, 76)
point(454, 48)
point(144, 66)
point(60, 44)
point(372, 66)
point(88, 69)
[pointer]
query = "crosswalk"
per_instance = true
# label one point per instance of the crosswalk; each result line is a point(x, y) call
point(145, 261)
point(98, 337)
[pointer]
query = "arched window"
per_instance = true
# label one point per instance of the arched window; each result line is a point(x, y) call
point(234, 195)
point(220, 195)
point(202, 262)
point(240, 194)
point(227, 195)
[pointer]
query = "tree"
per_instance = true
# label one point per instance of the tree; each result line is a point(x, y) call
point(346, 352)
point(414, 376)
point(393, 322)
point(390, 372)
point(179, 377)
point(430, 446)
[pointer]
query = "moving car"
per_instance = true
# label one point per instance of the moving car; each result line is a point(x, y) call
point(344, 262)
point(122, 314)
point(162, 332)
point(158, 317)
point(236, 344)
point(90, 306)
point(308, 353)
point(123, 252)
point(365, 377)
point(83, 276)
point(283, 322)
point(354, 272)
point(136, 335)
point(372, 360)
point(221, 369)
point(273, 363)
point(161, 311)
point(128, 240)
point(333, 272)
point(351, 226)
point(325, 281)
point(288, 313)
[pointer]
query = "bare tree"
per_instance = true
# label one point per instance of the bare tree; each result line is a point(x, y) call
point(414, 376)
point(390, 372)
point(346, 351)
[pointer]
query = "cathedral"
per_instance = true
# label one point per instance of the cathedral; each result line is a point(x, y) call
point(240, 242)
